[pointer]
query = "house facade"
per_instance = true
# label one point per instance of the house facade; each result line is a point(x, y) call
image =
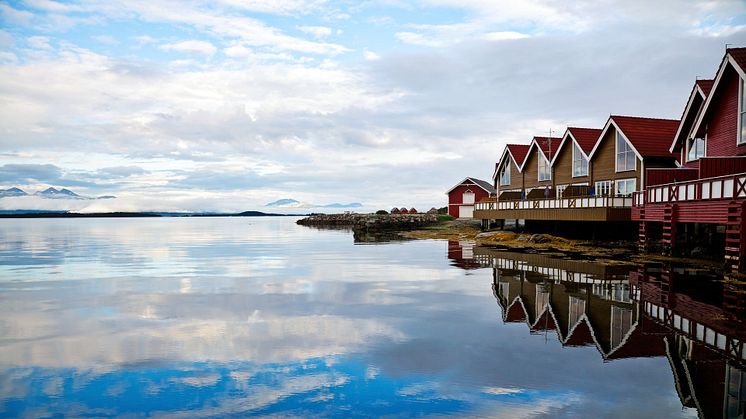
point(508, 175)
point(464, 195)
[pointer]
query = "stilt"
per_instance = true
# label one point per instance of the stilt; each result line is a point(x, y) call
point(642, 236)
point(670, 217)
point(735, 239)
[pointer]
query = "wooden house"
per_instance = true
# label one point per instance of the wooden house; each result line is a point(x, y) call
point(710, 188)
point(508, 176)
point(571, 165)
point(464, 195)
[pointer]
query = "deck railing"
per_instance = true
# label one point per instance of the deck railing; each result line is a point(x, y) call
point(577, 202)
point(714, 188)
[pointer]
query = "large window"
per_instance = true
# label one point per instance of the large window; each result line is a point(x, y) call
point(742, 119)
point(468, 197)
point(625, 187)
point(505, 174)
point(579, 162)
point(695, 148)
point(603, 188)
point(545, 170)
point(625, 156)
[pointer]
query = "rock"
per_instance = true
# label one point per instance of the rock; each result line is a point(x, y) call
point(486, 234)
point(698, 252)
point(522, 238)
point(538, 238)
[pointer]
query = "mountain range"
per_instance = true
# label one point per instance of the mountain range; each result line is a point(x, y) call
point(292, 203)
point(49, 193)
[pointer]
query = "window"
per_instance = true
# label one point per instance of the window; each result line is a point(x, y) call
point(603, 188)
point(625, 156)
point(468, 197)
point(505, 174)
point(579, 162)
point(695, 148)
point(545, 170)
point(625, 187)
point(742, 118)
point(560, 189)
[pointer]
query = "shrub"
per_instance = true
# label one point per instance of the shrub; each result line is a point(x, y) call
point(442, 218)
point(382, 212)
point(443, 210)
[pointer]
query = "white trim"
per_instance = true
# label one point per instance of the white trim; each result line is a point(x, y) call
point(689, 103)
point(531, 146)
point(727, 59)
point(740, 141)
point(472, 181)
point(609, 123)
point(562, 143)
point(686, 149)
point(576, 146)
point(538, 169)
point(616, 152)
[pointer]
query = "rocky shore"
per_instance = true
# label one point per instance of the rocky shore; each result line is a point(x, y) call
point(371, 222)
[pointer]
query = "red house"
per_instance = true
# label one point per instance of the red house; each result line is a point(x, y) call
point(711, 143)
point(463, 196)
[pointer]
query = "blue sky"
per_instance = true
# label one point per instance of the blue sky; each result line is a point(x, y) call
point(228, 105)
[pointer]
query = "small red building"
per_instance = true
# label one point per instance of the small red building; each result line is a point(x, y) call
point(463, 196)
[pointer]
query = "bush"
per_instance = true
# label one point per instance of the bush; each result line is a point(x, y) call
point(442, 218)
point(382, 212)
point(443, 210)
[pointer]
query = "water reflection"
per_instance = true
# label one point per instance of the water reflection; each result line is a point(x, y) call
point(695, 321)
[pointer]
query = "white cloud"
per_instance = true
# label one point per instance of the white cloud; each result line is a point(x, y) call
point(191, 47)
point(318, 32)
point(372, 56)
point(105, 39)
point(38, 42)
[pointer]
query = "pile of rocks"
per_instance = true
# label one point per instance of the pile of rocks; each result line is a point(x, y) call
point(371, 222)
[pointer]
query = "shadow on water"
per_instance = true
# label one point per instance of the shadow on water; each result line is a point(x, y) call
point(696, 320)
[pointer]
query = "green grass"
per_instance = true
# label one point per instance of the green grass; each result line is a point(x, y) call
point(442, 218)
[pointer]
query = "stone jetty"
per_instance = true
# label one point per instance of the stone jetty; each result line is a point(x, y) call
point(371, 222)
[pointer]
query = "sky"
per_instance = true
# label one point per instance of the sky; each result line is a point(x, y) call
point(227, 105)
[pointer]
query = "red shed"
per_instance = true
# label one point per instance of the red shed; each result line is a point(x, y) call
point(463, 196)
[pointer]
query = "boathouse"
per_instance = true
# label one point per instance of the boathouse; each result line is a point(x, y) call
point(709, 190)
point(463, 196)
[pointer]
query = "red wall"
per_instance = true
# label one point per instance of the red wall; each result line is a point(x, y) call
point(722, 123)
point(455, 197)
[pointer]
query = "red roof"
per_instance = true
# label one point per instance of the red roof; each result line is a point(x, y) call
point(518, 151)
point(739, 56)
point(549, 145)
point(586, 137)
point(705, 85)
point(651, 137)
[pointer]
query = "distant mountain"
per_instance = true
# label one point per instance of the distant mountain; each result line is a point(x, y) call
point(286, 202)
point(292, 203)
point(50, 193)
point(12, 192)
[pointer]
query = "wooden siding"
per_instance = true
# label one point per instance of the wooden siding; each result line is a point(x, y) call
point(562, 214)
point(455, 197)
point(712, 167)
point(531, 171)
point(708, 212)
point(663, 176)
point(722, 120)
point(604, 161)
point(562, 170)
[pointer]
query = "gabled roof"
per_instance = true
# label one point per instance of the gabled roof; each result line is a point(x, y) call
point(547, 145)
point(734, 57)
point(649, 137)
point(699, 93)
point(585, 138)
point(518, 152)
point(478, 182)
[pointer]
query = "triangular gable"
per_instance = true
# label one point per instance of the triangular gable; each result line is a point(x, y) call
point(477, 182)
point(572, 134)
point(610, 123)
point(647, 137)
point(734, 57)
point(698, 90)
point(535, 142)
point(514, 151)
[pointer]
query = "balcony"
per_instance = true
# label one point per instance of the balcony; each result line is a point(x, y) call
point(600, 208)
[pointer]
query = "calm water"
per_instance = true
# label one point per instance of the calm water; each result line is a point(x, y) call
point(239, 316)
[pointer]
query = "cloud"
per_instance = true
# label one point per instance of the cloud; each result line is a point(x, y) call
point(191, 46)
point(318, 32)
point(29, 173)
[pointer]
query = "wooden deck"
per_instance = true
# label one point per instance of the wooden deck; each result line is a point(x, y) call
point(565, 209)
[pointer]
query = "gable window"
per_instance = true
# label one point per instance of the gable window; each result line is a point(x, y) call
point(625, 156)
point(505, 174)
point(695, 148)
point(603, 188)
point(625, 187)
point(545, 170)
point(468, 197)
point(579, 162)
point(742, 114)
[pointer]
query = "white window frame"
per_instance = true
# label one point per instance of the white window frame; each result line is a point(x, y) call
point(575, 151)
point(581, 184)
point(689, 143)
point(616, 154)
point(548, 167)
point(502, 174)
point(463, 197)
point(740, 137)
point(559, 189)
point(619, 182)
point(608, 187)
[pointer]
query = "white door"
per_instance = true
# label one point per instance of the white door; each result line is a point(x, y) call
point(466, 211)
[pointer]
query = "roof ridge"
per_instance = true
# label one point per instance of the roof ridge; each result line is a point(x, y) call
point(644, 117)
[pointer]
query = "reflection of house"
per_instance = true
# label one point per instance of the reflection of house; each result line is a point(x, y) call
point(461, 253)
point(698, 326)
point(463, 196)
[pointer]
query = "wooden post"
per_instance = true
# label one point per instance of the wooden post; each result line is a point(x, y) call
point(670, 217)
point(735, 239)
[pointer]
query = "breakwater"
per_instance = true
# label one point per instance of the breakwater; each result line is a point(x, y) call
point(371, 222)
